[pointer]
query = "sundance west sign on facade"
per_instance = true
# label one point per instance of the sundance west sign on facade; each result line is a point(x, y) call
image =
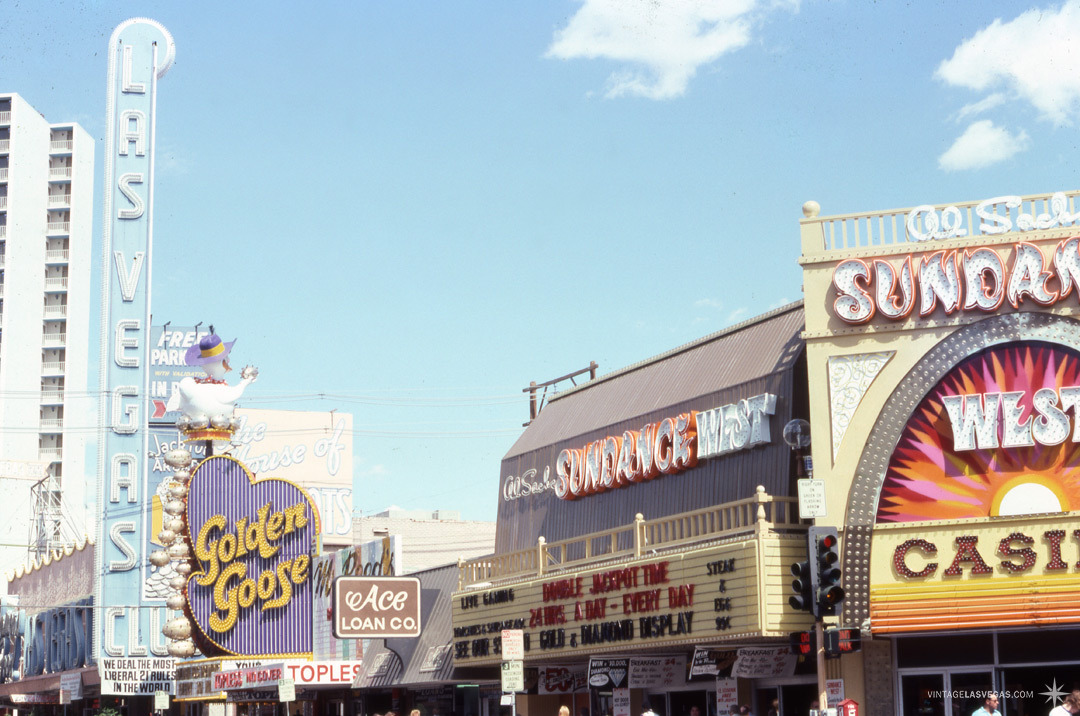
point(666, 447)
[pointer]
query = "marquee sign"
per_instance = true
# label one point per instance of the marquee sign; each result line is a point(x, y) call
point(306, 674)
point(961, 574)
point(666, 447)
point(980, 280)
point(168, 345)
point(705, 595)
point(375, 558)
point(376, 607)
point(976, 521)
point(140, 52)
point(253, 541)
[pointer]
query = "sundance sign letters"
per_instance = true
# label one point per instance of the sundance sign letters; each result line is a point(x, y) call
point(370, 607)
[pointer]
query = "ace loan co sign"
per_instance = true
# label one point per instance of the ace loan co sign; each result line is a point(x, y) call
point(376, 607)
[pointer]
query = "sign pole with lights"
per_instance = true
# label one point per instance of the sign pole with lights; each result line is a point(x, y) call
point(817, 586)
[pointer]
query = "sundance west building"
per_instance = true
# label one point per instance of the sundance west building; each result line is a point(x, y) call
point(642, 515)
point(943, 354)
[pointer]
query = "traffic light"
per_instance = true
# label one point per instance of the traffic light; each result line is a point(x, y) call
point(803, 643)
point(842, 641)
point(825, 553)
point(803, 586)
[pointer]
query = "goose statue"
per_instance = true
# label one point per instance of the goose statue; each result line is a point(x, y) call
point(209, 402)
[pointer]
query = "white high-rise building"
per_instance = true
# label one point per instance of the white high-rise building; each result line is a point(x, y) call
point(46, 411)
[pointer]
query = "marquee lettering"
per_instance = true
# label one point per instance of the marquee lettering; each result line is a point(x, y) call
point(950, 222)
point(217, 551)
point(128, 86)
point(967, 280)
point(128, 278)
point(985, 421)
point(666, 447)
point(138, 206)
point(1016, 551)
point(123, 342)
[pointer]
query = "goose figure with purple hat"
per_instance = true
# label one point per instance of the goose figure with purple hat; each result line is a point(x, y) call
point(208, 403)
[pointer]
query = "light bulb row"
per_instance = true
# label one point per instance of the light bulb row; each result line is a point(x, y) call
point(177, 551)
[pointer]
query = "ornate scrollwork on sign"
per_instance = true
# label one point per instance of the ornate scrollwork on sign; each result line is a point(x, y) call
point(849, 378)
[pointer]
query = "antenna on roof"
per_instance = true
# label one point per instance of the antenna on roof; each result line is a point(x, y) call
point(536, 406)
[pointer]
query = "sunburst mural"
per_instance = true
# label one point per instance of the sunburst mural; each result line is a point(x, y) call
point(927, 479)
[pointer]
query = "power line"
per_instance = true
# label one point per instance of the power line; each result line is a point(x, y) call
point(361, 399)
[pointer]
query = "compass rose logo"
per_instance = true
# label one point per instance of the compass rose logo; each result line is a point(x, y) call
point(1053, 693)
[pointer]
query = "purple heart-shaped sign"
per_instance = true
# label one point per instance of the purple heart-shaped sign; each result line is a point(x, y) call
point(252, 543)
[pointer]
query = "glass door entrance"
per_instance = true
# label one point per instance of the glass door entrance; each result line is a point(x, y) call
point(948, 693)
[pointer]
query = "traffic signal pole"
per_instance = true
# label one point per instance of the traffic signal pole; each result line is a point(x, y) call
point(823, 697)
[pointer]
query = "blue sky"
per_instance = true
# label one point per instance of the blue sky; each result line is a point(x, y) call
point(420, 207)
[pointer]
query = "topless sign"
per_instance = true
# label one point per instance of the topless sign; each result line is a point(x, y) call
point(376, 607)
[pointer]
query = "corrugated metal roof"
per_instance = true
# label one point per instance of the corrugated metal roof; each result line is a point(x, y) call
point(744, 352)
point(409, 655)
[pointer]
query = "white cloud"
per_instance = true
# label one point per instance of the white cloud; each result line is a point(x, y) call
point(1034, 57)
point(663, 42)
point(981, 145)
point(375, 471)
point(984, 105)
point(708, 303)
point(736, 315)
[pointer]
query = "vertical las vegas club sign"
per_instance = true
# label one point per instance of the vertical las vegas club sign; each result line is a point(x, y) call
point(130, 619)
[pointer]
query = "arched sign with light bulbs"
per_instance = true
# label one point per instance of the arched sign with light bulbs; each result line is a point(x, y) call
point(241, 549)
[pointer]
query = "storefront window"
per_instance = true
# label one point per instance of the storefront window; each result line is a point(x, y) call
point(951, 650)
point(1038, 646)
point(682, 701)
point(1026, 687)
point(795, 699)
point(467, 700)
point(968, 690)
point(923, 694)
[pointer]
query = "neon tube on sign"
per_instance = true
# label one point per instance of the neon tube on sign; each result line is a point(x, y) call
point(976, 280)
point(666, 447)
point(949, 224)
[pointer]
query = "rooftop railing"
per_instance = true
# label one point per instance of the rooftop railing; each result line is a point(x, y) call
point(926, 223)
point(710, 523)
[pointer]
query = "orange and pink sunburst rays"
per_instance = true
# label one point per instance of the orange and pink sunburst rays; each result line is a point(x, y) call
point(928, 480)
